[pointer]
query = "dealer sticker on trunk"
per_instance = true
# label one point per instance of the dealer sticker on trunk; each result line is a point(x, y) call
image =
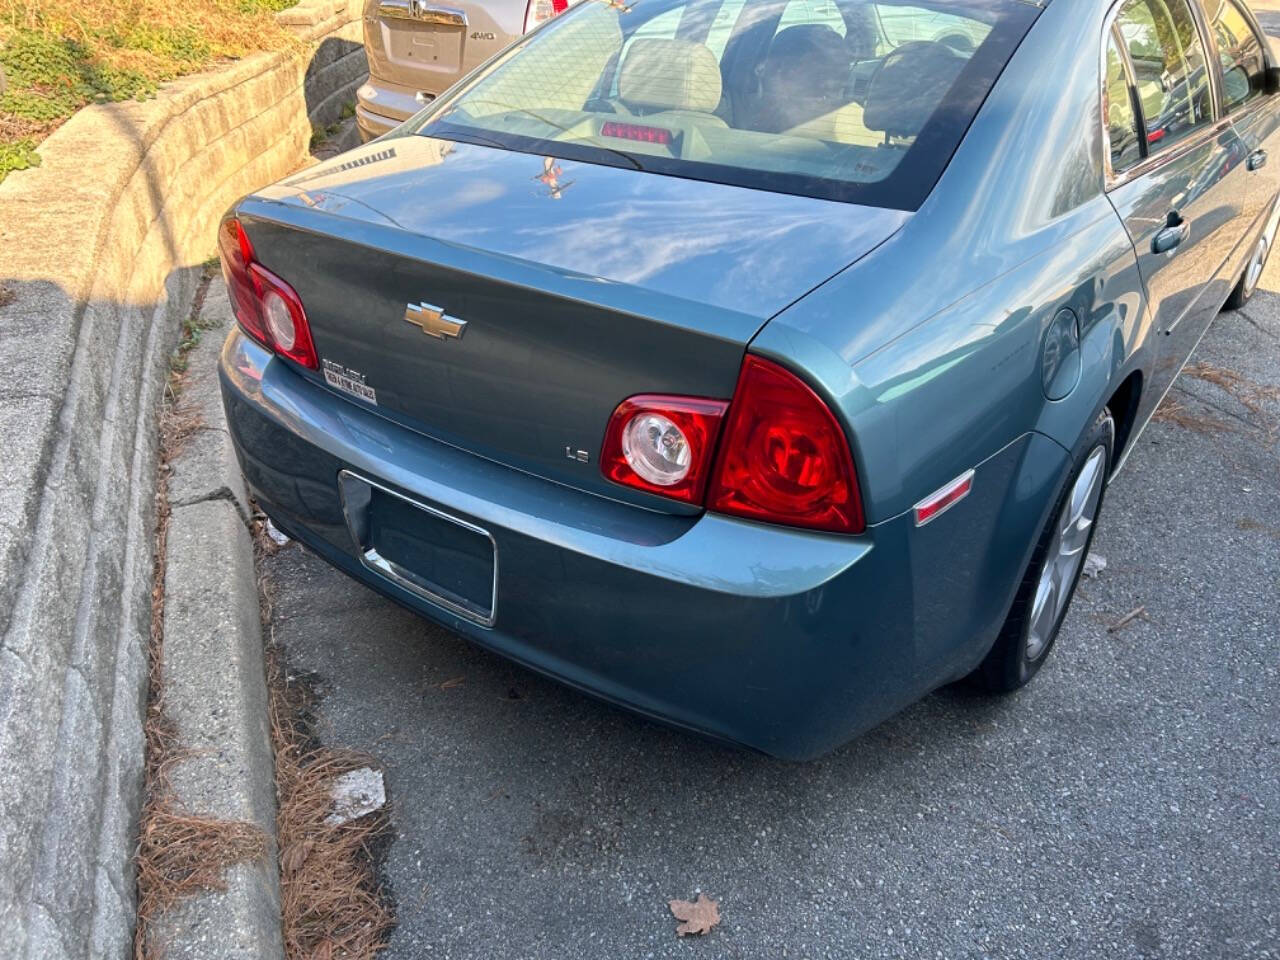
point(349, 381)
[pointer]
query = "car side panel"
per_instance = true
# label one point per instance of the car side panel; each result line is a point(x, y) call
point(953, 390)
point(1259, 130)
point(1207, 187)
point(1258, 126)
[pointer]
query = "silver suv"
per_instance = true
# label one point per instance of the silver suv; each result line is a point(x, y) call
point(418, 48)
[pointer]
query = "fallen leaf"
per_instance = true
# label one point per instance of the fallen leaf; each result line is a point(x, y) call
point(295, 855)
point(697, 917)
point(455, 682)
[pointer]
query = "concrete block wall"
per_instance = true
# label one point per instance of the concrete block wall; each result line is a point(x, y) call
point(100, 251)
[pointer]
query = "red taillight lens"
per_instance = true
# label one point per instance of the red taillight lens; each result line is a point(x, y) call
point(784, 457)
point(539, 10)
point(283, 318)
point(236, 253)
point(663, 444)
point(266, 307)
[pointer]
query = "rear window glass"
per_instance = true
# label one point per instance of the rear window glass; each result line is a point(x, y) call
point(856, 101)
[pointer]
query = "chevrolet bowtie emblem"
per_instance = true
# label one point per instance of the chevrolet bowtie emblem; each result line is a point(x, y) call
point(434, 322)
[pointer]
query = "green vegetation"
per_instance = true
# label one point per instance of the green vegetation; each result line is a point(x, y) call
point(59, 55)
point(320, 134)
point(18, 155)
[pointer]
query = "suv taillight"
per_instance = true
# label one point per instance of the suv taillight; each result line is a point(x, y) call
point(266, 307)
point(541, 10)
point(781, 456)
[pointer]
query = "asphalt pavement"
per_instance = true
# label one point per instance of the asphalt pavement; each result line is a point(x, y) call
point(1125, 804)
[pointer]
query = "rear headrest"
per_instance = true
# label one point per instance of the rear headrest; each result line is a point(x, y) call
point(908, 87)
point(660, 74)
point(814, 43)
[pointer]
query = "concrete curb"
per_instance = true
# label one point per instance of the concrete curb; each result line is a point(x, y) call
point(214, 671)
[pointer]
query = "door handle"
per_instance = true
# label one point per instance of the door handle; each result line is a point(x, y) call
point(1257, 160)
point(1174, 232)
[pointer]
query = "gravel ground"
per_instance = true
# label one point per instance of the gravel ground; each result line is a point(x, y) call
point(1126, 804)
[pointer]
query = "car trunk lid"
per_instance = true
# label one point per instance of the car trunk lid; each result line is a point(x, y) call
point(579, 285)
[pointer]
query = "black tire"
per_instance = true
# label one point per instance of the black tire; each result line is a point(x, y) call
point(1247, 285)
point(1008, 666)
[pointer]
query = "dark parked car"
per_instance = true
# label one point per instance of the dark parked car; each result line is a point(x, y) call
point(759, 365)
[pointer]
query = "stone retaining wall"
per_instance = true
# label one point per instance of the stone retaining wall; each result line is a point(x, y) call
point(100, 252)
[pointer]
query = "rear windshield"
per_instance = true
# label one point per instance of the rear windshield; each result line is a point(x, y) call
point(841, 99)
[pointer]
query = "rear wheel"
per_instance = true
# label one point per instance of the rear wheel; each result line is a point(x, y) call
point(1252, 274)
point(1050, 582)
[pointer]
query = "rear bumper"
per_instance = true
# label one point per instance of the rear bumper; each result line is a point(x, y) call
point(782, 640)
point(381, 107)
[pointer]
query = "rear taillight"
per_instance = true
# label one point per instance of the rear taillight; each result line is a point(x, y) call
point(783, 456)
point(266, 307)
point(541, 10)
point(237, 253)
point(663, 444)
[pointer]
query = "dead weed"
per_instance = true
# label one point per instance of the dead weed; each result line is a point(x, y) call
point(1252, 396)
point(1171, 411)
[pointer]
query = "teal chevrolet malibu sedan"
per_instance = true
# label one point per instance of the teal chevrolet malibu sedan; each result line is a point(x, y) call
point(757, 365)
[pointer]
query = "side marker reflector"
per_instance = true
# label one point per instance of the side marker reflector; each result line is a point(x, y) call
point(944, 498)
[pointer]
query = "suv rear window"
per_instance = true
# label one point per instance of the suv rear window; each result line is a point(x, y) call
point(840, 99)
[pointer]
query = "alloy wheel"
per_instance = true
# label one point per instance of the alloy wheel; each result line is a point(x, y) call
point(1066, 553)
point(1254, 271)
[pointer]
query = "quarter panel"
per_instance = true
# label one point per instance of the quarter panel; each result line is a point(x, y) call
point(950, 392)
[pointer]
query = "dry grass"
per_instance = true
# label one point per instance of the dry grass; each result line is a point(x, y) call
point(1252, 396)
point(1171, 411)
point(178, 854)
point(59, 55)
point(333, 906)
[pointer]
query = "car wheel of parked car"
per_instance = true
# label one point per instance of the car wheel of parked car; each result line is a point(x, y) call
point(1050, 582)
point(1252, 274)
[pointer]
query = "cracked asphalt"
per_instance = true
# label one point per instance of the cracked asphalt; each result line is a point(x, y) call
point(1125, 804)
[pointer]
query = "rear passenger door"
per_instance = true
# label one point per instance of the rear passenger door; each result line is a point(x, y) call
point(1243, 54)
point(1176, 171)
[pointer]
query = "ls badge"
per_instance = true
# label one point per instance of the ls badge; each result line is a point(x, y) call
point(434, 322)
